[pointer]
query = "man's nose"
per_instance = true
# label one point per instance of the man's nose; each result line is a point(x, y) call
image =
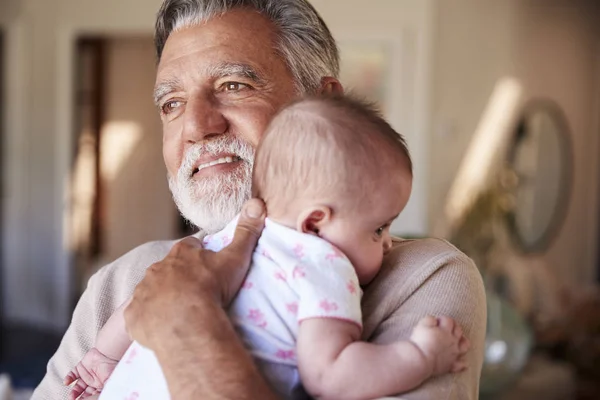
point(203, 119)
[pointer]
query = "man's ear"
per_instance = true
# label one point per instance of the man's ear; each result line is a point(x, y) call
point(330, 86)
point(313, 219)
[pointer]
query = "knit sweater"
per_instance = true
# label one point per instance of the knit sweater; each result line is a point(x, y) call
point(418, 278)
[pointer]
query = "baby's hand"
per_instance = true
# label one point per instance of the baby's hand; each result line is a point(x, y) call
point(91, 373)
point(442, 343)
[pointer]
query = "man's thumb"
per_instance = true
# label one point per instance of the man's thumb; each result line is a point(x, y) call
point(248, 230)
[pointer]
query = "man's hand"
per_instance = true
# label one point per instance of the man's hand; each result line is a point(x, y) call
point(179, 287)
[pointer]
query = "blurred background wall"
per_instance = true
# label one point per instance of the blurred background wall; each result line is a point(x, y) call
point(553, 48)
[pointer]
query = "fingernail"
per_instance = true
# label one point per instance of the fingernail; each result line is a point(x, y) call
point(253, 210)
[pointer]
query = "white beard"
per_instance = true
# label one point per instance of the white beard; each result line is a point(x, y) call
point(210, 203)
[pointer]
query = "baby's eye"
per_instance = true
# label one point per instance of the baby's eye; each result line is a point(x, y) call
point(379, 231)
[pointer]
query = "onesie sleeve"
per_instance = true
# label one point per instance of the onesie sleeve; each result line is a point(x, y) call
point(327, 286)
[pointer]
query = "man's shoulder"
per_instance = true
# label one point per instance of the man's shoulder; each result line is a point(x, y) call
point(415, 260)
point(420, 277)
point(122, 275)
point(424, 250)
point(411, 264)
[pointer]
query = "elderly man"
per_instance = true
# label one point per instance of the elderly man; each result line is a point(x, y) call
point(225, 67)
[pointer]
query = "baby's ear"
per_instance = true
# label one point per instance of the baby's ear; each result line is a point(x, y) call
point(313, 219)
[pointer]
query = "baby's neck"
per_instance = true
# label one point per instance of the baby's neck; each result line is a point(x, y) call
point(288, 221)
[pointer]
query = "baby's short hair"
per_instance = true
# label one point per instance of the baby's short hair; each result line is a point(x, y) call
point(326, 145)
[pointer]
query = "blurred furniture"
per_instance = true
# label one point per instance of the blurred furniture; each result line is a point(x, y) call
point(540, 157)
point(543, 378)
point(508, 218)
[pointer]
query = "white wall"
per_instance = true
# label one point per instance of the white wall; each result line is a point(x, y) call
point(407, 28)
point(473, 51)
point(551, 47)
point(37, 280)
point(557, 58)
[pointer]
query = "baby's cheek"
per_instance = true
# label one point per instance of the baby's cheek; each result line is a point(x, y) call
point(370, 266)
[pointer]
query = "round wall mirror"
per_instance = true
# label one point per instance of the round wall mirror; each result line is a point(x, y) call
point(540, 156)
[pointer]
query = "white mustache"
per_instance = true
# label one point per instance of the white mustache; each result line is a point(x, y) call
point(215, 147)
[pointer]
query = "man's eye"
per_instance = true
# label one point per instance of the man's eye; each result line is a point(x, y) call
point(235, 86)
point(170, 106)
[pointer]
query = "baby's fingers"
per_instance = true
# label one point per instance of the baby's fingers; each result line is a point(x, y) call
point(71, 377)
point(89, 392)
point(459, 365)
point(428, 322)
point(464, 345)
point(78, 389)
point(457, 331)
point(447, 324)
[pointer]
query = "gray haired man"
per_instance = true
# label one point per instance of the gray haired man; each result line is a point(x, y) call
point(225, 68)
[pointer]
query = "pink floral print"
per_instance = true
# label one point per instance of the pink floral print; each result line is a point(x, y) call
point(281, 276)
point(226, 240)
point(328, 306)
point(292, 308)
point(263, 252)
point(257, 318)
point(247, 285)
point(298, 272)
point(352, 287)
point(335, 254)
point(299, 251)
point(285, 354)
point(131, 355)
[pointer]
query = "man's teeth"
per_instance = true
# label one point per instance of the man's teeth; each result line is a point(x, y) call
point(223, 160)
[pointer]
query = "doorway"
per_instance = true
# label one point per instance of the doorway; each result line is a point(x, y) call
point(120, 197)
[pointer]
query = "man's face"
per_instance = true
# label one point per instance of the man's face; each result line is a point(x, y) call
point(218, 85)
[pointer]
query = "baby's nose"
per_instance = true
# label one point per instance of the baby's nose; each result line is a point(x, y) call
point(387, 245)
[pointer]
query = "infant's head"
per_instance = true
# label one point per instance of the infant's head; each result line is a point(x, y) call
point(333, 167)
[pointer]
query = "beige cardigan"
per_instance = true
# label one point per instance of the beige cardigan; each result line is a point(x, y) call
point(419, 277)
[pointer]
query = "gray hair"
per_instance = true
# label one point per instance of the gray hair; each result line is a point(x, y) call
point(304, 41)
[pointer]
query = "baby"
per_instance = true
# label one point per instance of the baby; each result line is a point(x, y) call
point(333, 175)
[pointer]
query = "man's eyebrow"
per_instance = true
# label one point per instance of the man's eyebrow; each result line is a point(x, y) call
point(228, 69)
point(164, 88)
point(223, 70)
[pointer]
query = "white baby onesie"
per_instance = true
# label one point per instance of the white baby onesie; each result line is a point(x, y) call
point(293, 276)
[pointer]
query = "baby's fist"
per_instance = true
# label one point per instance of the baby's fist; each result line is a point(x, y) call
point(88, 377)
point(442, 343)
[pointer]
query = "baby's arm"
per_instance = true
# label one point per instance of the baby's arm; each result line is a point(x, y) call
point(98, 364)
point(334, 364)
point(113, 339)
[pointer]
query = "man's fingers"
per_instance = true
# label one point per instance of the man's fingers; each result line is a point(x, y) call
point(185, 245)
point(248, 231)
